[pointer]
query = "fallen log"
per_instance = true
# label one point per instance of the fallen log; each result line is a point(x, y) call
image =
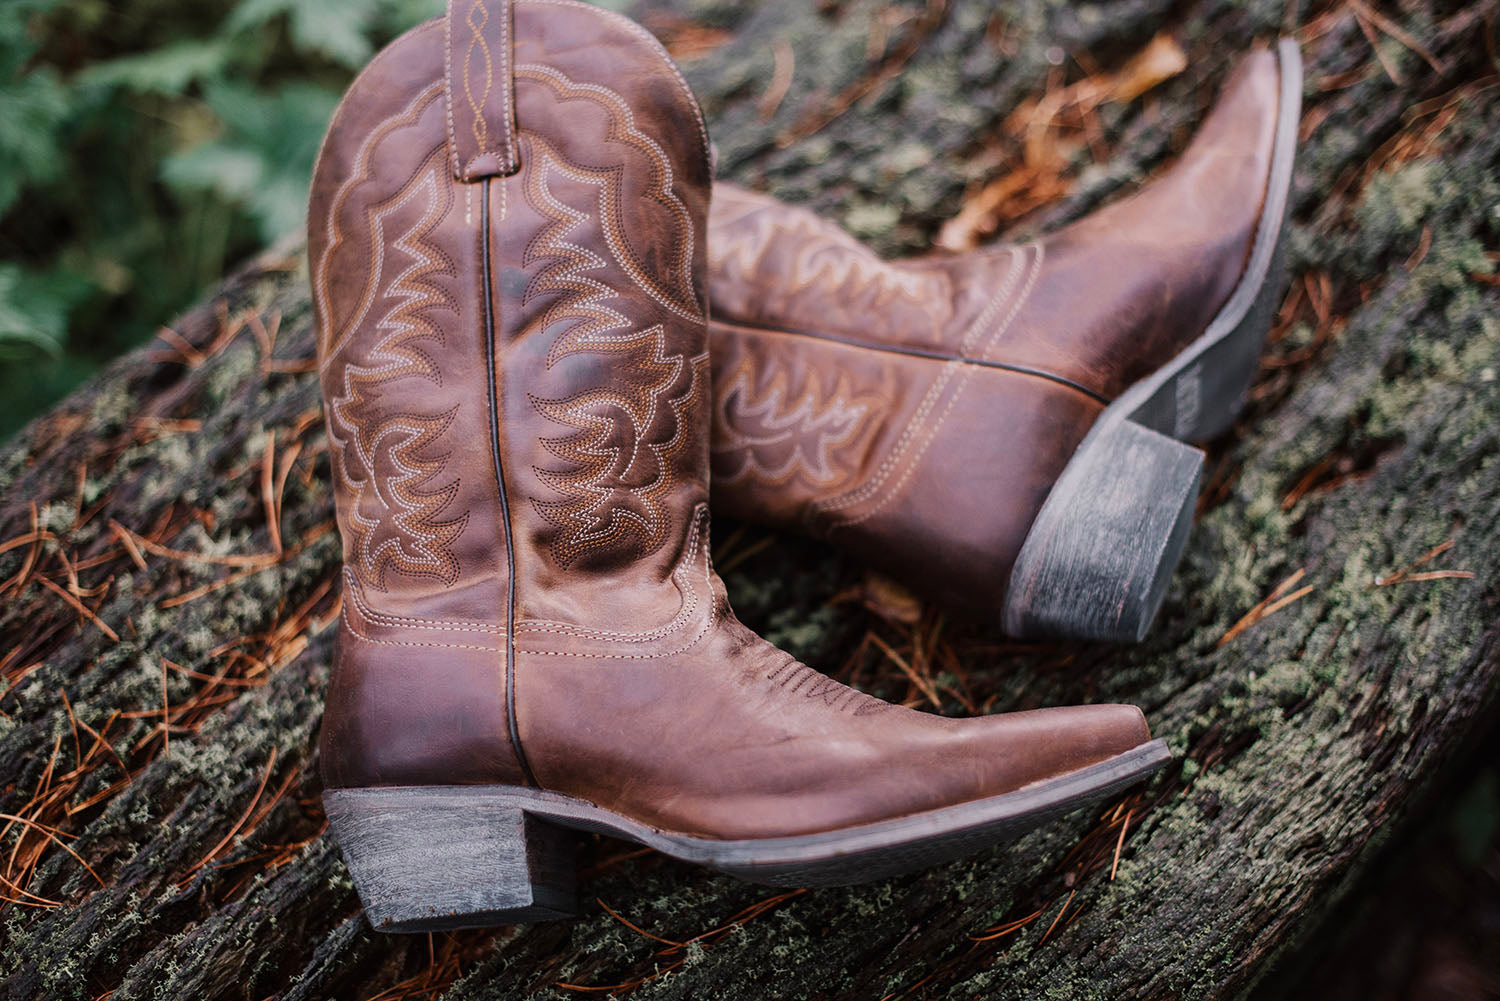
point(168, 565)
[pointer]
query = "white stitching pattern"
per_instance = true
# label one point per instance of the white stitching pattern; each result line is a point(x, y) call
point(334, 236)
point(448, 86)
point(821, 254)
point(590, 453)
point(507, 84)
point(698, 542)
point(983, 330)
point(349, 624)
point(749, 425)
point(661, 51)
point(354, 590)
point(685, 303)
point(463, 171)
point(586, 518)
point(420, 543)
point(690, 599)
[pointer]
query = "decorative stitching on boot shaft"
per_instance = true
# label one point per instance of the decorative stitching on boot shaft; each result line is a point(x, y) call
point(478, 88)
point(695, 558)
point(620, 466)
point(919, 434)
point(766, 432)
point(391, 464)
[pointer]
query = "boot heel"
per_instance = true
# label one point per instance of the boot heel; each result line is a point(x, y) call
point(437, 858)
point(1098, 558)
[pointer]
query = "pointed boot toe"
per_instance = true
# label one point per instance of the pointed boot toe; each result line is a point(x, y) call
point(1042, 743)
point(776, 773)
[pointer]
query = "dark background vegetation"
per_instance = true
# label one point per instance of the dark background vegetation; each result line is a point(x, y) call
point(147, 147)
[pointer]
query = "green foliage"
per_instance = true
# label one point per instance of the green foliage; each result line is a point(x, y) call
point(338, 29)
point(265, 157)
point(34, 310)
point(145, 148)
point(33, 106)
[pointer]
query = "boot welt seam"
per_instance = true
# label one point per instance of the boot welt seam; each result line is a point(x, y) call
point(363, 638)
point(352, 590)
point(680, 578)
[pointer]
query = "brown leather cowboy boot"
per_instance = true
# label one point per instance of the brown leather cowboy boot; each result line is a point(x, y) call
point(1002, 429)
point(506, 242)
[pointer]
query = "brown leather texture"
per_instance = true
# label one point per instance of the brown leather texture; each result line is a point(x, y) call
point(516, 381)
point(917, 412)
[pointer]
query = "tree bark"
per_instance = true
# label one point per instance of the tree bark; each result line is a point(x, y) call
point(168, 564)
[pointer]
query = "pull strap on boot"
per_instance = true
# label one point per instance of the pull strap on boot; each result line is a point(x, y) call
point(479, 88)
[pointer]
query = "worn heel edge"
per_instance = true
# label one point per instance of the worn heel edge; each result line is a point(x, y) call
point(445, 858)
point(1199, 394)
point(1099, 556)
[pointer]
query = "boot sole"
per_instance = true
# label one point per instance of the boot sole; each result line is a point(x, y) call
point(1098, 558)
point(437, 858)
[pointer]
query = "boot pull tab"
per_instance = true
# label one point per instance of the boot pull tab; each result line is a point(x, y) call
point(479, 87)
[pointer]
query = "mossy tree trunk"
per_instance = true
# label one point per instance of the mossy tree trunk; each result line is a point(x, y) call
point(168, 567)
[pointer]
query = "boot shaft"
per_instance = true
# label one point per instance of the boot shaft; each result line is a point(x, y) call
point(507, 246)
point(919, 412)
point(507, 251)
point(865, 402)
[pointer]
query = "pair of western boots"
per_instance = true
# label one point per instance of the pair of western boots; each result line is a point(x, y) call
point(513, 257)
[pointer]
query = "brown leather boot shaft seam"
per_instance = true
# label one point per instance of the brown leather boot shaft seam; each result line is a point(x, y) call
point(750, 327)
point(485, 159)
point(487, 297)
